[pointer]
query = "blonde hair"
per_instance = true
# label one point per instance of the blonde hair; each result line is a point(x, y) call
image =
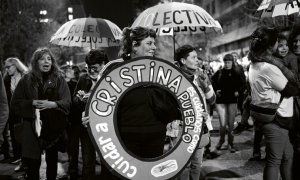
point(19, 65)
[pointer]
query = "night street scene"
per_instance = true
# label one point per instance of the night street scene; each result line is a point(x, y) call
point(149, 90)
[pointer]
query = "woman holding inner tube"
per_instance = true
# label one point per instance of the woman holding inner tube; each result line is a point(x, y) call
point(144, 111)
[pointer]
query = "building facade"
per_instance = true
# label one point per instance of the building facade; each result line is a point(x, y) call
point(238, 23)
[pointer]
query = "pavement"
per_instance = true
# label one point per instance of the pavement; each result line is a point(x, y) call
point(229, 166)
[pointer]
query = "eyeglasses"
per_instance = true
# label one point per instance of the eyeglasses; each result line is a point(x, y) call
point(7, 67)
point(94, 68)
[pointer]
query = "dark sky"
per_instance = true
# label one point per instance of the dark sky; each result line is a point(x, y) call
point(118, 11)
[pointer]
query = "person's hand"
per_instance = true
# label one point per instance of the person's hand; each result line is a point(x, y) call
point(203, 80)
point(82, 95)
point(205, 116)
point(85, 120)
point(44, 104)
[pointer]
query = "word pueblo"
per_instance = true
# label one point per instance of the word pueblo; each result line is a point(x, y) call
point(103, 105)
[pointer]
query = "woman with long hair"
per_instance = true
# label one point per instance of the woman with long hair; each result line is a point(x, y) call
point(43, 95)
point(269, 80)
point(15, 70)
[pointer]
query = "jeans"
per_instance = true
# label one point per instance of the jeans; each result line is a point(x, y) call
point(73, 149)
point(88, 155)
point(246, 111)
point(16, 147)
point(279, 152)
point(78, 132)
point(193, 169)
point(258, 135)
point(226, 114)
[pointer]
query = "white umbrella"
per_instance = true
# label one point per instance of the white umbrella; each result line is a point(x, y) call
point(176, 17)
point(274, 8)
point(88, 32)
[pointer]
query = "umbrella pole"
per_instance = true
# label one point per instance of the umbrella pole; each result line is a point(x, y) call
point(173, 46)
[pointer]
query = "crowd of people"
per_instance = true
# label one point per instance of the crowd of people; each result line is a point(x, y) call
point(53, 98)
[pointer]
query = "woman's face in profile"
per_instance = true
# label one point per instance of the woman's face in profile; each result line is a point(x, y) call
point(296, 45)
point(10, 68)
point(146, 48)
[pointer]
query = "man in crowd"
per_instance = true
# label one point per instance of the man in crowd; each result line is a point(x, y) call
point(95, 60)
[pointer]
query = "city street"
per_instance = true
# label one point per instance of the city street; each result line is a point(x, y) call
point(232, 166)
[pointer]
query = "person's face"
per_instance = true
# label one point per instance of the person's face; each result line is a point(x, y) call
point(191, 61)
point(227, 64)
point(146, 48)
point(235, 56)
point(296, 45)
point(94, 70)
point(45, 63)
point(10, 68)
point(70, 73)
point(282, 48)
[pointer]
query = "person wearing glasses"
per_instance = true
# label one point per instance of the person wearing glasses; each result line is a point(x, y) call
point(95, 60)
point(15, 70)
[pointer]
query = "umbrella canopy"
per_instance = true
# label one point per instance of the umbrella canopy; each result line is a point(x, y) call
point(176, 17)
point(88, 32)
point(274, 8)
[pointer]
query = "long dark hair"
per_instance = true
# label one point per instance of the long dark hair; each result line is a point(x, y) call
point(136, 34)
point(35, 73)
point(262, 39)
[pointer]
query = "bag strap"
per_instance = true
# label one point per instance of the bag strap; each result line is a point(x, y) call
point(281, 98)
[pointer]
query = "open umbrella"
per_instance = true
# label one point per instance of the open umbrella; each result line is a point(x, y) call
point(88, 32)
point(274, 8)
point(177, 18)
point(184, 18)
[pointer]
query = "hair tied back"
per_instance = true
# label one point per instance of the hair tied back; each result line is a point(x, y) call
point(127, 31)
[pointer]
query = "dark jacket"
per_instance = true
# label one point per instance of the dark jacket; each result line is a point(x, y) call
point(228, 82)
point(84, 83)
point(3, 106)
point(54, 120)
point(7, 82)
point(145, 109)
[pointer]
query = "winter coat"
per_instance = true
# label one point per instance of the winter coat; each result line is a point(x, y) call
point(228, 82)
point(145, 108)
point(54, 120)
point(3, 108)
point(7, 82)
point(84, 83)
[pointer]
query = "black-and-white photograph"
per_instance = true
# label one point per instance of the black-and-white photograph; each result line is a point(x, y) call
point(149, 89)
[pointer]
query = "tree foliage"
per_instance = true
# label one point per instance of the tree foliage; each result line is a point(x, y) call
point(22, 32)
